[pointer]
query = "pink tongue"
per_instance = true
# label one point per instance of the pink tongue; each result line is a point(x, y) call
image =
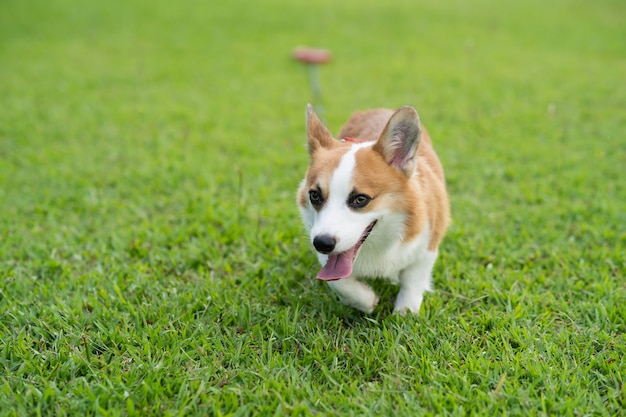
point(338, 266)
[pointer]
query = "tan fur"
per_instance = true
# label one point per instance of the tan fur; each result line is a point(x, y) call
point(321, 168)
point(423, 197)
point(366, 125)
point(391, 192)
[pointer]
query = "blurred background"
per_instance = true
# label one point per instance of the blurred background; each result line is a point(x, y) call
point(142, 121)
point(152, 257)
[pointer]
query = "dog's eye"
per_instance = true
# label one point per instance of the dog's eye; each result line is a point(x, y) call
point(359, 201)
point(315, 197)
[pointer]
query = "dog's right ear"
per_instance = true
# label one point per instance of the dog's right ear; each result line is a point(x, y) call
point(399, 141)
point(317, 134)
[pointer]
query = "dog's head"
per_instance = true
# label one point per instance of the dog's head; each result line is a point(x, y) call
point(351, 189)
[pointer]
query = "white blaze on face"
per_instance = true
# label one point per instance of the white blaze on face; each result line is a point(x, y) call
point(336, 218)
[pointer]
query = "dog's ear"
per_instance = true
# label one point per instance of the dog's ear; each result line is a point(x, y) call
point(317, 134)
point(399, 141)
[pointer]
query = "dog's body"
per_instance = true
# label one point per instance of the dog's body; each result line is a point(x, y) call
point(376, 206)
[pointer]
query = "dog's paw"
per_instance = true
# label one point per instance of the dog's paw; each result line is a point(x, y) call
point(406, 305)
point(369, 305)
point(366, 303)
point(355, 294)
point(404, 310)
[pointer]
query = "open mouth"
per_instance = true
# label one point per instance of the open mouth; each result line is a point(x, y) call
point(339, 265)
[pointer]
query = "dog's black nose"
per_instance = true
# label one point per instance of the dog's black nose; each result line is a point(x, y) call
point(324, 243)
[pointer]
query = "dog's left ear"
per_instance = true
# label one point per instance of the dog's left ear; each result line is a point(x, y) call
point(399, 141)
point(318, 136)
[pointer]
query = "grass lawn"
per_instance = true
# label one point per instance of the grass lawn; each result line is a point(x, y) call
point(152, 261)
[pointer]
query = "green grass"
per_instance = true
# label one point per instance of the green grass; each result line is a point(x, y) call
point(152, 261)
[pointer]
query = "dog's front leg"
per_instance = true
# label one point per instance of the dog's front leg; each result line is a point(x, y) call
point(355, 293)
point(414, 281)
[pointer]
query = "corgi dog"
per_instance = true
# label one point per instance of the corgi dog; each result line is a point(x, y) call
point(375, 204)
